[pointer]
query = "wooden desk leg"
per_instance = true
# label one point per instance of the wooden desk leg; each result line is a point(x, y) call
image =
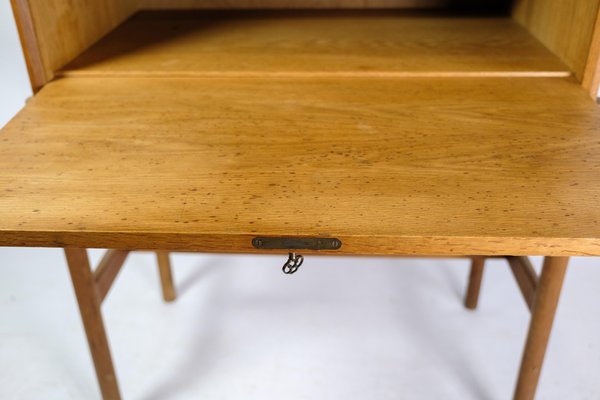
point(89, 301)
point(544, 307)
point(166, 277)
point(475, 277)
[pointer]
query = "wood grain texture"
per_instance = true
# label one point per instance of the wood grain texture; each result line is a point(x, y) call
point(565, 27)
point(64, 28)
point(429, 166)
point(316, 43)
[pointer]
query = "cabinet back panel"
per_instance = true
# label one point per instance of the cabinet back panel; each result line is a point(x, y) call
point(564, 26)
point(219, 4)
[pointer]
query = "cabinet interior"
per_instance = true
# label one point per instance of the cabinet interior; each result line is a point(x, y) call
point(386, 43)
point(246, 37)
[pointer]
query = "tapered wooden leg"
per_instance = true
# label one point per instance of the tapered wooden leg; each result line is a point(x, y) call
point(475, 277)
point(166, 277)
point(544, 307)
point(89, 301)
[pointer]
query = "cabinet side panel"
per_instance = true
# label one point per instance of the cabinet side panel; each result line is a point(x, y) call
point(565, 27)
point(29, 43)
point(591, 76)
point(64, 28)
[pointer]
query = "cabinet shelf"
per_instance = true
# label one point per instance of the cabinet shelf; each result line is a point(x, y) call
point(316, 43)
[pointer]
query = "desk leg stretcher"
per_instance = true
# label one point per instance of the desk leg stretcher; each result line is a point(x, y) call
point(541, 296)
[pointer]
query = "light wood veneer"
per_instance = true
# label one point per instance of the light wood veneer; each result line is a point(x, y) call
point(401, 166)
point(316, 43)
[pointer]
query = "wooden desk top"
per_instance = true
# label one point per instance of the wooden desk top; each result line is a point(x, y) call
point(360, 43)
point(389, 166)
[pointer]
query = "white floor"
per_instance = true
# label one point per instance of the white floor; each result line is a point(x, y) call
point(340, 328)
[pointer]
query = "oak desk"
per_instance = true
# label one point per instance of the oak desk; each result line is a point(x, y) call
point(347, 132)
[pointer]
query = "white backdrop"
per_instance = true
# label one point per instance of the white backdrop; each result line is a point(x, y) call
point(14, 82)
point(341, 328)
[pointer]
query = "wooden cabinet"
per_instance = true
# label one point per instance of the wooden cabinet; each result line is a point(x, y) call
point(397, 127)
